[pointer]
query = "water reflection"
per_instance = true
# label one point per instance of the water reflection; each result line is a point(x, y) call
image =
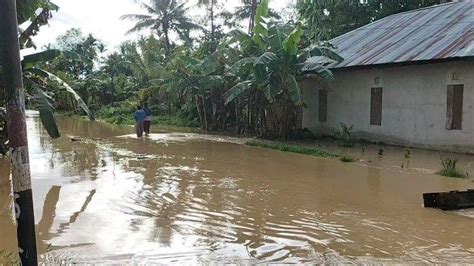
point(183, 198)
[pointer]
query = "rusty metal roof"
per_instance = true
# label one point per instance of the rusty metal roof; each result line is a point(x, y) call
point(432, 33)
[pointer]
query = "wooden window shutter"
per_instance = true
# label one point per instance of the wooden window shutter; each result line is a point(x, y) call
point(376, 106)
point(323, 106)
point(454, 107)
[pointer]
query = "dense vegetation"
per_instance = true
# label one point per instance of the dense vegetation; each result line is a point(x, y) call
point(247, 83)
point(237, 70)
point(326, 19)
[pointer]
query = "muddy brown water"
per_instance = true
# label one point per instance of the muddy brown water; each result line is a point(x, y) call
point(187, 198)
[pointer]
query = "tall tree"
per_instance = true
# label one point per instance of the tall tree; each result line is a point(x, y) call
point(211, 8)
point(247, 11)
point(164, 17)
point(74, 41)
point(326, 19)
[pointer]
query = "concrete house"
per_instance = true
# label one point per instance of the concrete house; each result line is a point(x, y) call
point(407, 79)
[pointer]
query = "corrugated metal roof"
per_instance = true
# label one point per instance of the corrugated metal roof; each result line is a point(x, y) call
point(432, 33)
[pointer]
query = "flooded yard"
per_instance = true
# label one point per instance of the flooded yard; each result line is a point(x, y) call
point(189, 198)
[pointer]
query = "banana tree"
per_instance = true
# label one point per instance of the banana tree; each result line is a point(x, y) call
point(274, 70)
point(202, 83)
point(37, 81)
point(38, 12)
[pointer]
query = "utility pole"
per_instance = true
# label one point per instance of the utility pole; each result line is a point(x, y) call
point(18, 142)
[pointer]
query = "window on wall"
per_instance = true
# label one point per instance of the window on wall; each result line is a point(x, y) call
point(376, 106)
point(455, 107)
point(323, 106)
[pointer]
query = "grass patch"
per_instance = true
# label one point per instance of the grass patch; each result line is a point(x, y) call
point(450, 169)
point(456, 173)
point(291, 148)
point(347, 159)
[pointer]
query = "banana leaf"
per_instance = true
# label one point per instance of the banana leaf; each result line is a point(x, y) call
point(317, 50)
point(316, 68)
point(45, 74)
point(267, 59)
point(275, 39)
point(26, 9)
point(236, 68)
point(294, 90)
point(260, 29)
point(46, 113)
point(30, 61)
point(290, 44)
point(237, 90)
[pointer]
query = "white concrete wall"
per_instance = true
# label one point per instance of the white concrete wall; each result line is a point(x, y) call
point(413, 109)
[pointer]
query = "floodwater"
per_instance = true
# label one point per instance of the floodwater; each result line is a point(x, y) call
point(188, 198)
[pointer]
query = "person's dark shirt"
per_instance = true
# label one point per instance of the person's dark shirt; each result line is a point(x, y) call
point(140, 115)
point(147, 111)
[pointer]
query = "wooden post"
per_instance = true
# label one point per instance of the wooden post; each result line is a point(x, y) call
point(18, 142)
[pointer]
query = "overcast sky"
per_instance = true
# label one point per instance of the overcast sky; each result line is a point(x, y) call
point(102, 18)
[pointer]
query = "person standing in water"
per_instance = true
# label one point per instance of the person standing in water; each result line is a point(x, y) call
point(139, 119)
point(147, 121)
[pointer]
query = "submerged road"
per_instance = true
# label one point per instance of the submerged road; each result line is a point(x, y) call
point(188, 198)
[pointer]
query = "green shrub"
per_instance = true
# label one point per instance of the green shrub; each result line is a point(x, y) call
point(347, 159)
point(291, 148)
point(344, 134)
point(176, 121)
point(380, 150)
point(122, 113)
point(450, 169)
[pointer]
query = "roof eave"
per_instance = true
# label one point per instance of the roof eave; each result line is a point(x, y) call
point(398, 64)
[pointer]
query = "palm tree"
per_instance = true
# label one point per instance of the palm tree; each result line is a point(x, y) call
point(247, 11)
point(212, 5)
point(165, 17)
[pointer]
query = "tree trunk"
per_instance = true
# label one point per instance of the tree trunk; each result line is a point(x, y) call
point(18, 141)
point(113, 90)
point(165, 27)
point(237, 118)
point(198, 104)
point(213, 27)
point(253, 7)
point(204, 113)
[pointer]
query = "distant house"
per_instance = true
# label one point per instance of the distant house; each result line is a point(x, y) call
point(406, 79)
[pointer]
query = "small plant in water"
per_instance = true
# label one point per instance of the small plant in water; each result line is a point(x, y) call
point(380, 150)
point(407, 156)
point(347, 159)
point(450, 169)
point(344, 134)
